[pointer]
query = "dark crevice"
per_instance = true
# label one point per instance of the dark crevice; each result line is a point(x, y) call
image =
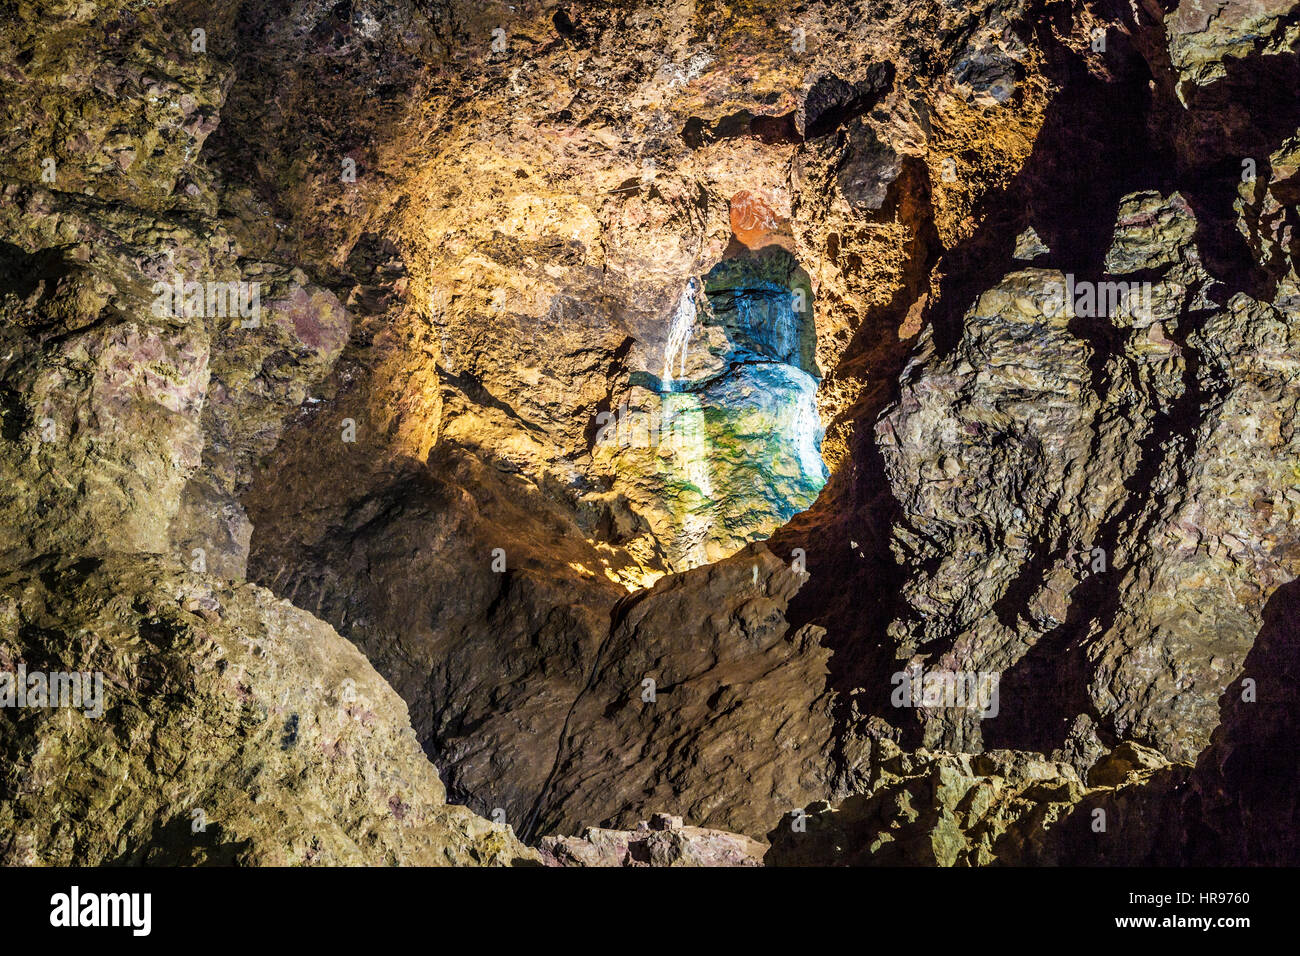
point(831, 102)
point(771, 130)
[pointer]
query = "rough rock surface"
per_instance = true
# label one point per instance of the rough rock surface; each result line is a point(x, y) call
point(131, 423)
point(997, 807)
point(663, 841)
point(1190, 398)
point(735, 726)
point(235, 729)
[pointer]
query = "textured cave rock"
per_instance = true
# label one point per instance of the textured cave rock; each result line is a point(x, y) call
point(1192, 400)
point(235, 729)
point(997, 807)
point(662, 841)
point(531, 347)
point(667, 380)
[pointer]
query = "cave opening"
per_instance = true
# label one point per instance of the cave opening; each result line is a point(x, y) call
point(739, 433)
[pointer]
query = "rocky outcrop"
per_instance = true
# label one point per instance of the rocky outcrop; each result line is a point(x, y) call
point(225, 727)
point(730, 724)
point(663, 841)
point(1203, 43)
point(1026, 401)
point(157, 364)
point(997, 807)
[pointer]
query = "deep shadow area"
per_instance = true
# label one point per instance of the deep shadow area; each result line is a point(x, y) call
point(1244, 806)
point(1240, 805)
point(185, 840)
